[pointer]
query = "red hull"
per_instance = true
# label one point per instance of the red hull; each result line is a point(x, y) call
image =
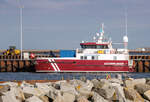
point(67, 65)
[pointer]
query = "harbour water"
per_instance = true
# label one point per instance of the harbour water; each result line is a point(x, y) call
point(11, 76)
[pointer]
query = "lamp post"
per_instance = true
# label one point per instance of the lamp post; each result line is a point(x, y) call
point(21, 30)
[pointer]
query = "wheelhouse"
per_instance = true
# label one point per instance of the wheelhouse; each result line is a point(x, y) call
point(91, 45)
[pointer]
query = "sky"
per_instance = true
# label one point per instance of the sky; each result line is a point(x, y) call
point(63, 24)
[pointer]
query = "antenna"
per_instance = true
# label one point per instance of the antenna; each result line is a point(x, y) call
point(125, 38)
point(97, 34)
point(126, 21)
point(102, 27)
point(94, 38)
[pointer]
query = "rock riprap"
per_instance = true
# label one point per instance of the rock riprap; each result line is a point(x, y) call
point(95, 90)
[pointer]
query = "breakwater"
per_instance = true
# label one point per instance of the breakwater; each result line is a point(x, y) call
point(12, 63)
point(106, 89)
point(16, 65)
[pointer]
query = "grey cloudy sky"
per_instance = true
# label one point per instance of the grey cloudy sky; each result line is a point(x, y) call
point(63, 24)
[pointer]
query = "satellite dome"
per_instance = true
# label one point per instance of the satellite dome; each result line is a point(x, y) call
point(125, 39)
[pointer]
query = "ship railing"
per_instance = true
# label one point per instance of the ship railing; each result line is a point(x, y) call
point(104, 51)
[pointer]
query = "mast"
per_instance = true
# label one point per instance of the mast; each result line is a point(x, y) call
point(126, 21)
point(125, 38)
point(100, 39)
point(102, 30)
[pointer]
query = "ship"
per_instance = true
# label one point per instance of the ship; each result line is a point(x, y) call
point(94, 56)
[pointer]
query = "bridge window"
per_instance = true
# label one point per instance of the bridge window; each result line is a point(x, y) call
point(102, 46)
point(88, 46)
point(94, 46)
point(93, 57)
point(85, 57)
point(81, 57)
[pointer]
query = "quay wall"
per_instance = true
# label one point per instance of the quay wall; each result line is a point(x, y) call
point(8, 63)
